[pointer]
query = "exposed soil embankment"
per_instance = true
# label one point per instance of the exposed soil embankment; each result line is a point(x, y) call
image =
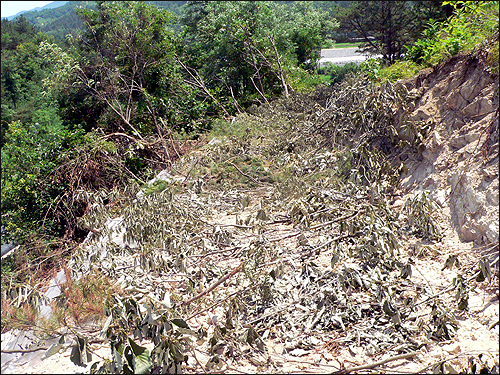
point(459, 164)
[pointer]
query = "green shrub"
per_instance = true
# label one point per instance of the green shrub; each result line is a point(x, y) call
point(301, 80)
point(371, 67)
point(29, 190)
point(398, 70)
point(337, 73)
point(473, 23)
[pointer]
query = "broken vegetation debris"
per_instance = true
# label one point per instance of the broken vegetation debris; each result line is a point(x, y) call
point(214, 272)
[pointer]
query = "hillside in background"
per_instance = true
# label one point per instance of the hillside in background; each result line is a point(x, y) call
point(52, 5)
point(59, 18)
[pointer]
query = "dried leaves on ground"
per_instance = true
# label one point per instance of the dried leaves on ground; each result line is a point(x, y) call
point(280, 243)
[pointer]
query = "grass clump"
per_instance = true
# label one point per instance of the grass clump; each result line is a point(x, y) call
point(346, 45)
point(398, 70)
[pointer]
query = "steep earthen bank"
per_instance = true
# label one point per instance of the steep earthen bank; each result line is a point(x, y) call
point(459, 164)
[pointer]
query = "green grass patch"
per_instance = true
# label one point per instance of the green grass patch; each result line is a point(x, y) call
point(398, 70)
point(346, 45)
point(237, 129)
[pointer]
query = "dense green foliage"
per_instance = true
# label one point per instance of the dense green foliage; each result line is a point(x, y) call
point(126, 59)
point(387, 26)
point(248, 50)
point(30, 156)
point(473, 23)
point(23, 68)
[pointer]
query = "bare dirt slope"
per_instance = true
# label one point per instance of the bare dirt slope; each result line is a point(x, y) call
point(460, 162)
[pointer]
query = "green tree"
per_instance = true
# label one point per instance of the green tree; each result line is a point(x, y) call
point(386, 26)
point(246, 50)
point(22, 70)
point(29, 187)
point(126, 59)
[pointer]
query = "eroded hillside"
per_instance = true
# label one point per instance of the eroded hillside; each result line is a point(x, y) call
point(354, 229)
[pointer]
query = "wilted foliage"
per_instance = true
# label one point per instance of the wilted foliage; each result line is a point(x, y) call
point(308, 177)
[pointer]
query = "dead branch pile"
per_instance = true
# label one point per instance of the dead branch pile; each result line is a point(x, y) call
point(241, 239)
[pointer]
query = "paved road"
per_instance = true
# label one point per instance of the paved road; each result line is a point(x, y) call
point(339, 52)
point(341, 56)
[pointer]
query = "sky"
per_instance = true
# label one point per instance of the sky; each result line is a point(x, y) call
point(9, 8)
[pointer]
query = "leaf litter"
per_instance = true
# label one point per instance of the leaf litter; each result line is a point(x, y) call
point(280, 250)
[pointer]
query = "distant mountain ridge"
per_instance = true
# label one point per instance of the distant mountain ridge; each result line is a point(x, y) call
point(52, 5)
point(59, 17)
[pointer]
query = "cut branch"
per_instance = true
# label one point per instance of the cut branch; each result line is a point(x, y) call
point(244, 174)
point(222, 279)
point(375, 364)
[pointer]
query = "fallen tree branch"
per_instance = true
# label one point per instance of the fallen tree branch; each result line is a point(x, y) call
point(227, 225)
point(320, 245)
point(187, 174)
point(222, 279)
point(449, 288)
point(341, 237)
point(244, 174)
point(375, 364)
point(348, 216)
point(222, 300)
point(23, 350)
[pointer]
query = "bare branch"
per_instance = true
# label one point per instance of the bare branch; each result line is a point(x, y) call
point(198, 82)
point(375, 364)
point(222, 279)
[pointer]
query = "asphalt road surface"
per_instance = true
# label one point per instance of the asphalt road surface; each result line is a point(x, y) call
point(342, 56)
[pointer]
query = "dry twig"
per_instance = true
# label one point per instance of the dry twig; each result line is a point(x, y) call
point(375, 364)
point(222, 279)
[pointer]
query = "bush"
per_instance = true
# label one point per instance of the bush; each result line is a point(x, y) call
point(29, 156)
point(473, 23)
point(337, 73)
point(371, 67)
point(301, 80)
point(398, 70)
